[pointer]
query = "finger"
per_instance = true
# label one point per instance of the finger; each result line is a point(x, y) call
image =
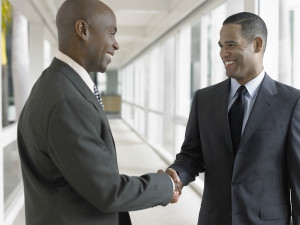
point(178, 187)
point(160, 171)
point(175, 197)
point(173, 174)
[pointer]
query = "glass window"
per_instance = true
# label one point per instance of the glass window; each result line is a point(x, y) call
point(282, 19)
point(140, 81)
point(212, 69)
point(155, 123)
point(294, 13)
point(47, 54)
point(101, 83)
point(139, 121)
point(128, 78)
point(180, 133)
point(169, 68)
point(155, 84)
point(269, 12)
point(8, 102)
point(195, 58)
point(12, 172)
point(183, 78)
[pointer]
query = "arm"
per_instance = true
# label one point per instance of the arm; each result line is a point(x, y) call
point(189, 162)
point(81, 147)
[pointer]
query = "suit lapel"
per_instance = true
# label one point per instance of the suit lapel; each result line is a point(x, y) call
point(77, 81)
point(81, 86)
point(221, 106)
point(264, 103)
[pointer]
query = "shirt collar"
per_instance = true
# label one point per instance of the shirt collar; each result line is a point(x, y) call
point(252, 86)
point(79, 69)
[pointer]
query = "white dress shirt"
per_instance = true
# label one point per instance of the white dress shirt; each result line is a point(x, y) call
point(79, 69)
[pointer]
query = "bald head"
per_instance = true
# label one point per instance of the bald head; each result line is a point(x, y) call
point(86, 33)
point(74, 10)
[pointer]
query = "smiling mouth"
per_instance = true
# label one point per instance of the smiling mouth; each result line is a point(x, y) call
point(228, 64)
point(109, 55)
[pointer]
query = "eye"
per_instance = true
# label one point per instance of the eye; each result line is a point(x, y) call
point(230, 45)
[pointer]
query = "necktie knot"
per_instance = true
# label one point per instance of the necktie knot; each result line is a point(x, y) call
point(241, 90)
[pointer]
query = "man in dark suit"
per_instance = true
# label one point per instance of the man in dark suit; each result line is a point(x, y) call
point(67, 151)
point(247, 143)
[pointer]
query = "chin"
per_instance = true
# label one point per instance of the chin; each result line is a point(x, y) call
point(102, 69)
point(230, 75)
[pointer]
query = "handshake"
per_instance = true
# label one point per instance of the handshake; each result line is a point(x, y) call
point(178, 185)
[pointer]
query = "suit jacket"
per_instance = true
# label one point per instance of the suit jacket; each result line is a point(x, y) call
point(256, 186)
point(68, 158)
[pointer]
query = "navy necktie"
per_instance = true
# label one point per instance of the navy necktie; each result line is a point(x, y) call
point(236, 117)
point(98, 96)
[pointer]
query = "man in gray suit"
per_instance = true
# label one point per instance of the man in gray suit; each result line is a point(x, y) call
point(67, 151)
point(247, 143)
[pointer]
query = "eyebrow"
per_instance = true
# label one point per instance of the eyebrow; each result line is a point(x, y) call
point(227, 42)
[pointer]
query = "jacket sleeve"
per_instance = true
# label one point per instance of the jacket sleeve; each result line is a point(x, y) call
point(293, 162)
point(189, 162)
point(76, 137)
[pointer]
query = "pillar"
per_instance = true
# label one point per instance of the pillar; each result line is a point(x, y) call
point(285, 57)
point(20, 60)
point(36, 51)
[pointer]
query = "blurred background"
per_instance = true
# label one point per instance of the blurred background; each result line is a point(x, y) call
point(168, 50)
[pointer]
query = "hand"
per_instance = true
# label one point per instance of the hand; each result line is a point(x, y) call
point(178, 185)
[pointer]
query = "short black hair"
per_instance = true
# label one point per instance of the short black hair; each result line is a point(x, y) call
point(252, 26)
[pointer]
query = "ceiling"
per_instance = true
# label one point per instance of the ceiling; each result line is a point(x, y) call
point(140, 22)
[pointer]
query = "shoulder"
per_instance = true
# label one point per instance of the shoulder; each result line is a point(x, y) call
point(287, 89)
point(284, 93)
point(213, 89)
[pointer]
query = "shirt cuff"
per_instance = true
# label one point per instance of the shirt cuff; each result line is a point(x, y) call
point(172, 183)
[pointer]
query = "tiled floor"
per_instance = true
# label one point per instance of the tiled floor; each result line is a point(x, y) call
point(136, 158)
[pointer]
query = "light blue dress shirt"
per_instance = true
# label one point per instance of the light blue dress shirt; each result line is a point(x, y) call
point(250, 96)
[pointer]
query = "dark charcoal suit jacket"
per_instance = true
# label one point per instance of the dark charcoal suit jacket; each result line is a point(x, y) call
point(261, 186)
point(68, 158)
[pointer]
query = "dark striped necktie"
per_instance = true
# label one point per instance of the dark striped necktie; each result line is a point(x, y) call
point(98, 96)
point(236, 118)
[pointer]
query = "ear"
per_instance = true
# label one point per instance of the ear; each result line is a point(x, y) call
point(258, 44)
point(82, 28)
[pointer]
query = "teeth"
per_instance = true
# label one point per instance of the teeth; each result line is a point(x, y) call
point(109, 55)
point(229, 62)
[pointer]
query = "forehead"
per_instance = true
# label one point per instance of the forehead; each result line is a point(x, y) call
point(230, 32)
point(105, 17)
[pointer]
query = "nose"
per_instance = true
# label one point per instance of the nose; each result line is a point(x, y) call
point(224, 52)
point(116, 45)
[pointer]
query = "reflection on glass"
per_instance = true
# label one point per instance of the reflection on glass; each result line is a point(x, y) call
point(155, 122)
point(155, 81)
point(12, 170)
point(195, 59)
point(183, 78)
point(7, 94)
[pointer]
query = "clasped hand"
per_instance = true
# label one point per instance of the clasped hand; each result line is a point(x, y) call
point(178, 184)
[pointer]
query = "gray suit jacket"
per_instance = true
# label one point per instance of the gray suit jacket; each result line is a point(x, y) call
point(68, 158)
point(254, 188)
